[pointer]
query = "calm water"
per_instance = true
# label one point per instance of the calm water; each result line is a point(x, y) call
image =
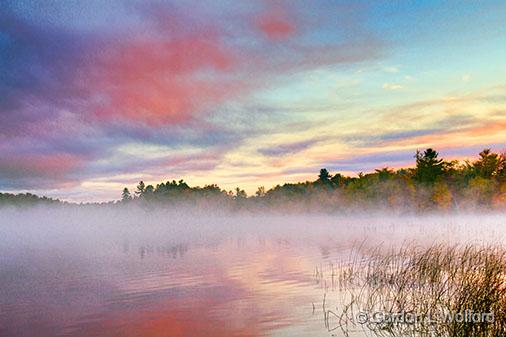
point(110, 274)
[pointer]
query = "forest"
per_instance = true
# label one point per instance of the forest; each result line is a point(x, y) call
point(433, 184)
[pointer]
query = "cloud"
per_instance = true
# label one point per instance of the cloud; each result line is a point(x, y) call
point(36, 171)
point(392, 86)
point(163, 79)
point(391, 69)
point(371, 161)
point(74, 92)
point(289, 148)
point(275, 23)
point(38, 66)
point(390, 135)
point(371, 138)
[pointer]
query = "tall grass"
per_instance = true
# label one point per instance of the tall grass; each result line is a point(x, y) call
point(441, 290)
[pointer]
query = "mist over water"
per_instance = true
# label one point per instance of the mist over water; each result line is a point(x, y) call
point(131, 272)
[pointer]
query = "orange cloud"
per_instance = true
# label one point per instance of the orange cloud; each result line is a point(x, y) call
point(488, 132)
point(489, 128)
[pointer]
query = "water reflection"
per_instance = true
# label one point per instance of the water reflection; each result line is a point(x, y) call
point(173, 251)
point(254, 280)
point(240, 287)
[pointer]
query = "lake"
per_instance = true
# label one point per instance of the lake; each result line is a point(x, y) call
point(111, 272)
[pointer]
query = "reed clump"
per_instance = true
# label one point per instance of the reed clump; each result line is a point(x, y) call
point(441, 290)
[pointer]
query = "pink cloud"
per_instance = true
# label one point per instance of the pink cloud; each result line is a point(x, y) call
point(73, 97)
point(162, 78)
point(276, 24)
point(46, 166)
point(275, 28)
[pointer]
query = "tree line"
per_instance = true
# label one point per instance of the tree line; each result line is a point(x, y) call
point(434, 183)
point(25, 199)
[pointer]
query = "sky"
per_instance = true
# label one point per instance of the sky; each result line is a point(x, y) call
point(97, 95)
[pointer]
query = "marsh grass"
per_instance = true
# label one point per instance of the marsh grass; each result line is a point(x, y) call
point(442, 290)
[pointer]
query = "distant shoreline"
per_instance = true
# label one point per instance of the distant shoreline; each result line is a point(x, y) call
point(434, 184)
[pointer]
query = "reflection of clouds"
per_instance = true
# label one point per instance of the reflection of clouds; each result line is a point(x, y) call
point(190, 314)
point(43, 292)
point(173, 251)
point(239, 276)
point(241, 282)
point(235, 287)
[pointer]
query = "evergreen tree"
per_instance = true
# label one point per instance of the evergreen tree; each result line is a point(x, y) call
point(240, 194)
point(428, 166)
point(260, 192)
point(324, 175)
point(488, 165)
point(140, 188)
point(125, 196)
